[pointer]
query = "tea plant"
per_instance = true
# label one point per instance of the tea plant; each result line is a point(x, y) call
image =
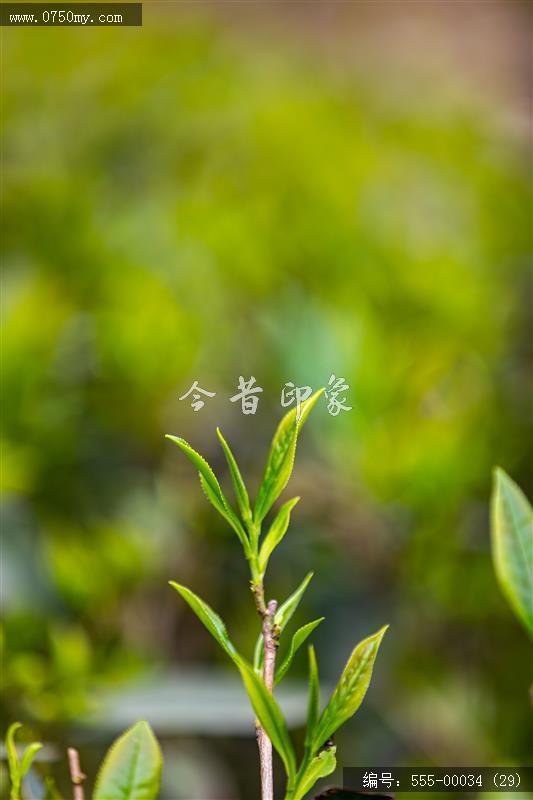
point(261, 674)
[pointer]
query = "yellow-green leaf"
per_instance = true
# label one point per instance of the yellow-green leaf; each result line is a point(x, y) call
point(297, 641)
point(281, 458)
point(350, 690)
point(276, 533)
point(211, 488)
point(269, 715)
point(238, 484)
point(320, 766)
point(314, 698)
point(210, 619)
point(512, 545)
point(131, 770)
point(282, 617)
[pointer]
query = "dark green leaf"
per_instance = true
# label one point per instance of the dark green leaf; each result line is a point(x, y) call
point(320, 767)
point(210, 619)
point(350, 690)
point(270, 717)
point(211, 488)
point(131, 770)
point(512, 545)
point(276, 533)
point(281, 458)
point(238, 483)
point(297, 641)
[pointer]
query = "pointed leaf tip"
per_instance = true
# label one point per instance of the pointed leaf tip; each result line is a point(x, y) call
point(132, 767)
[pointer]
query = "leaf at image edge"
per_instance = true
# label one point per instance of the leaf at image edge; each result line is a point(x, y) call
point(131, 769)
point(512, 545)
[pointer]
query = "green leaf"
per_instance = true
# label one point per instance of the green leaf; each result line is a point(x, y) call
point(28, 756)
point(287, 609)
point(276, 533)
point(281, 458)
point(314, 698)
point(13, 760)
point(238, 484)
point(131, 769)
point(321, 766)
point(212, 489)
point(281, 618)
point(269, 715)
point(210, 619)
point(512, 545)
point(350, 690)
point(297, 641)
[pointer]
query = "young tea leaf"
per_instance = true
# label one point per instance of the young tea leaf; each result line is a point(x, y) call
point(131, 769)
point(238, 484)
point(281, 618)
point(512, 545)
point(269, 715)
point(281, 458)
point(276, 533)
point(13, 760)
point(27, 757)
point(297, 641)
point(287, 609)
point(350, 690)
point(314, 698)
point(210, 619)
point(211, 488)
point(320, 766)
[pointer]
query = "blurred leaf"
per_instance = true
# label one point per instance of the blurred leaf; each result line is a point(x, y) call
point(314, 698)
point(131, 769)
point(210, 619)
point(512, 545)
point(238, 483)
point(297, 641)
point(276, 533)
point(320, 766)
point(211, 488)
point(281, 458)
point(28, 756)
point(350, 690)
point(270, 716)
point(18, 769)
point(13, 761)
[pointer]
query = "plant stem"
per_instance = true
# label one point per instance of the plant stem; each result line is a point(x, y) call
point(269, 667)
point(76, 775)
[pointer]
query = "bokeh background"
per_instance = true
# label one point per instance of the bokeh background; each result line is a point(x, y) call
point(284, 190)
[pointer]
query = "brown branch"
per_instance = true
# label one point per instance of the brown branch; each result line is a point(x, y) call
point(76, 775)
point(269, 667)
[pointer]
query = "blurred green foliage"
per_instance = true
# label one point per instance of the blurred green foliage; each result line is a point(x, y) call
point(181, 205)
